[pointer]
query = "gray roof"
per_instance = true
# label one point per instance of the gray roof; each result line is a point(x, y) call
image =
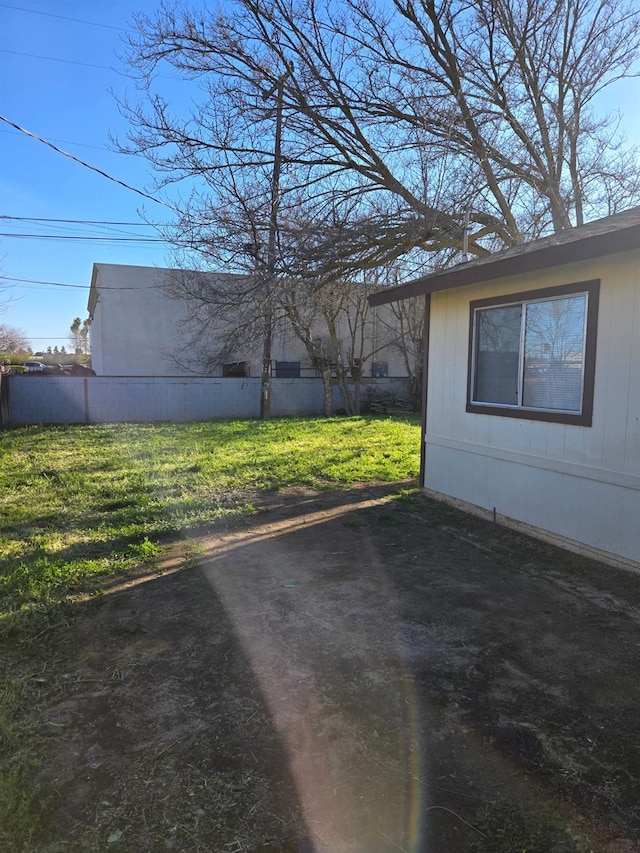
point(611, 235)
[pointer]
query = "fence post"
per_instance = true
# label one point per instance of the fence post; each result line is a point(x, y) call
point(4, 401)
point(85, 382)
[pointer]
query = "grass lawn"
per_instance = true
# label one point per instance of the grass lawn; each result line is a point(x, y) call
point(78, 503)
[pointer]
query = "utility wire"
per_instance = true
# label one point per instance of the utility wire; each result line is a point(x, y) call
point(62, 17)
point(83, 237)
point(82, 227)
point(59, 229)
point(70, 142)
point(77, 230)
point(72, 61)
point(76, 221)
point(55, 59)
point(8, 278)
point(51, 283)
point(85, 164)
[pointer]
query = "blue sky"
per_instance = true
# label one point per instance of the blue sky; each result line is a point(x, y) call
point(56, 76)
point(58, 63)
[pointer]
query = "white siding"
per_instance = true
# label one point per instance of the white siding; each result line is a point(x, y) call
point(581, 483)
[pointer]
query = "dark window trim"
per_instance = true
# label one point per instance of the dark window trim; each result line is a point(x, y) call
point(592, 288)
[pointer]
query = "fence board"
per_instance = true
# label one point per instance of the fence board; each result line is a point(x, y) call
point(34, 399)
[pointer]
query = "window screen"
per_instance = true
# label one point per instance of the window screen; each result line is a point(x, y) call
point(531, 354)
point(554, 354)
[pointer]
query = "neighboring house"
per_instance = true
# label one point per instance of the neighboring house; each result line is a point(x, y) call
point(532, 386)
point(137, 329)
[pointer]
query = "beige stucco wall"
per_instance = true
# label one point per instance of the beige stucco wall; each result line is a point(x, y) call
point(580, 483)
point(134, 325)
point(136, 329)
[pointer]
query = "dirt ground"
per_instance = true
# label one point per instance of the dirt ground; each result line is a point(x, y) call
point(348, 672)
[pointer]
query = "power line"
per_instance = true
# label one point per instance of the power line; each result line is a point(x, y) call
point(35, 281)
point(84, 237)
point(55, 59)
point(72, 62)
point(62, 17)
point(85, 164)
point(59, 228)
point(69, 142)
point(76, 221)
point(75, 286)
point(78, 228)
point(84, 232)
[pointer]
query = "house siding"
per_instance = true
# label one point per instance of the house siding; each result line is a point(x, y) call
point(579, 483)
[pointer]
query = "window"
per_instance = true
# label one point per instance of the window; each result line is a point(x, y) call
point(288, 369)
point(533, 354)
point(235, 369)
point(379, 369)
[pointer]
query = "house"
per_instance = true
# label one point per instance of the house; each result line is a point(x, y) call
point(532, 386)
point(139, 329)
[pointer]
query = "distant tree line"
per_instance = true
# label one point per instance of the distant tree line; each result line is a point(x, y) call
point(16, 348)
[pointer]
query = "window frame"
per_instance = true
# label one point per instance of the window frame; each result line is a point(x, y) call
point(288, 370)
point(235, 370)
point(584, 417)
point(380, 370)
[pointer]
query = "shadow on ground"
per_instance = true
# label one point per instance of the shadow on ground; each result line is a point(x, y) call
point(350, 672)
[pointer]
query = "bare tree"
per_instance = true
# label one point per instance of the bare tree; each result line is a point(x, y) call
point(408, 113)
point(408, 328)
point(13, 340)
point(305, 306)
point(5, 298)
point(413, 129)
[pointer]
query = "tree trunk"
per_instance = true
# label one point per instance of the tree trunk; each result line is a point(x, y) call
point(327, 389)
point(323, 366)
point(356, 376)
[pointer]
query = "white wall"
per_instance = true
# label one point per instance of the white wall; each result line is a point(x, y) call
point(580, 483)
point(136, 329)
point(135, 325)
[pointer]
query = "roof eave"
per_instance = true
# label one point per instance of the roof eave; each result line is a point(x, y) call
point(556, 254)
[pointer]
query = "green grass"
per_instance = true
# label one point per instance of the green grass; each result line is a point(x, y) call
point(79, 503)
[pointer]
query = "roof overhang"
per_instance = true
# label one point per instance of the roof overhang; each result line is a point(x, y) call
point(593, 240)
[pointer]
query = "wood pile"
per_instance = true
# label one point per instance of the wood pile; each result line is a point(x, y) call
point(386, 403)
